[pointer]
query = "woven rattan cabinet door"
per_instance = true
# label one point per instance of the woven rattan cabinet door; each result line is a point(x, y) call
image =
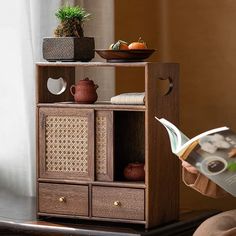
point(66, 143)
point(104, 145)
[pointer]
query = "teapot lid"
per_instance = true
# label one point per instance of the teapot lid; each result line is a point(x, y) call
point(86, 80)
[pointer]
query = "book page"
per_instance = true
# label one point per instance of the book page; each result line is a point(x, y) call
point(177, 138)
point(183, 148)
point(214, 155)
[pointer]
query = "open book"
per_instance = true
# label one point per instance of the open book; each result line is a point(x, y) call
point(213, 153)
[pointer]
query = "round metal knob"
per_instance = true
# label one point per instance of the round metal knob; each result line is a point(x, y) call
point(117, 203)
point(62, 199)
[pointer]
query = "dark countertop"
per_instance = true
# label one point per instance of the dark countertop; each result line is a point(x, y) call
point(18, 217)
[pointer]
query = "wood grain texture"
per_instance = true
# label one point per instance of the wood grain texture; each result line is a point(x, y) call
point(133, 135)
point(162, 167)
point(46, 72)
point(63, 199)
point(95, 106)
point(127, 184)
point(129, 140)
point(18, 217)
point(91, 64)
point(130, 203)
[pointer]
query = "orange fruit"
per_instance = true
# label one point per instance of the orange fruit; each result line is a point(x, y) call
point(124, 46)
point(140, 44)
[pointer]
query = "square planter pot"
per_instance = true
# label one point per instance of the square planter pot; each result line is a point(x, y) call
point(68, 49)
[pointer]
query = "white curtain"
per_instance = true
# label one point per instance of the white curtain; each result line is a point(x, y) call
point(23, 24)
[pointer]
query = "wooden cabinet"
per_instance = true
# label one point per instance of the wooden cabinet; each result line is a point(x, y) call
point(82, 149)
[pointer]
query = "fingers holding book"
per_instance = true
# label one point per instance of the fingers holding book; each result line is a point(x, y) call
point(189, 167)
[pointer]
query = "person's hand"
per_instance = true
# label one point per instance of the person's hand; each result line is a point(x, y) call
point(189, 167)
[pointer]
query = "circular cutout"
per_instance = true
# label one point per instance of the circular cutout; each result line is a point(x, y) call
point(56, 86)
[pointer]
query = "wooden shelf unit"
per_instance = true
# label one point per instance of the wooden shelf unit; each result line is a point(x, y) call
point(85, 180)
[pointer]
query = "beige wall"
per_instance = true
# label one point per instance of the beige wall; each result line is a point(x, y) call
point(201, 36)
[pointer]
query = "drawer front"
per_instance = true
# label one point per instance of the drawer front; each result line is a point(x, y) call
point(119, 203)
point(63, 199)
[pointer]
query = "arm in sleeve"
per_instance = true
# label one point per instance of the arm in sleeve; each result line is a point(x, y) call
point(203, 185)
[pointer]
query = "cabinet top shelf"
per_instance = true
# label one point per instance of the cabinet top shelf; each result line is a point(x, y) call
point(97, 105)
point(90, 64)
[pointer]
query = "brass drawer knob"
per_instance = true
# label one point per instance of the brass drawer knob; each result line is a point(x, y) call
point(62, 199)
point(117, 203)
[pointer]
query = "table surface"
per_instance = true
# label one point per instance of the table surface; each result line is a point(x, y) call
point(18, 217)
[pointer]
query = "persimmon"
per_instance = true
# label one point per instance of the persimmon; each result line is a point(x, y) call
point(124, 46)
point(119, 45)
point(140, 44)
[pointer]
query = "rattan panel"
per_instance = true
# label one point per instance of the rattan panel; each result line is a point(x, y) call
point(66, 144)
point(61, 48)
point(101, 145)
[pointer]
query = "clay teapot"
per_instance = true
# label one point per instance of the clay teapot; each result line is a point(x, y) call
point(84, 91)
point(135, 171)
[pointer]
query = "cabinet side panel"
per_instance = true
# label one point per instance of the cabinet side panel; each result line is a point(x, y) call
point(162, 168)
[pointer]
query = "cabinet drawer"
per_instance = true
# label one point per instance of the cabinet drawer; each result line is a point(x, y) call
point(119, 203)
point(63, 199)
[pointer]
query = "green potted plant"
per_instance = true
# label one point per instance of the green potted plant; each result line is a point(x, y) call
point(69, 43)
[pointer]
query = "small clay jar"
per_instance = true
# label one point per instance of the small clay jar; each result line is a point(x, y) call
point(135, 172)
point(84, 91)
